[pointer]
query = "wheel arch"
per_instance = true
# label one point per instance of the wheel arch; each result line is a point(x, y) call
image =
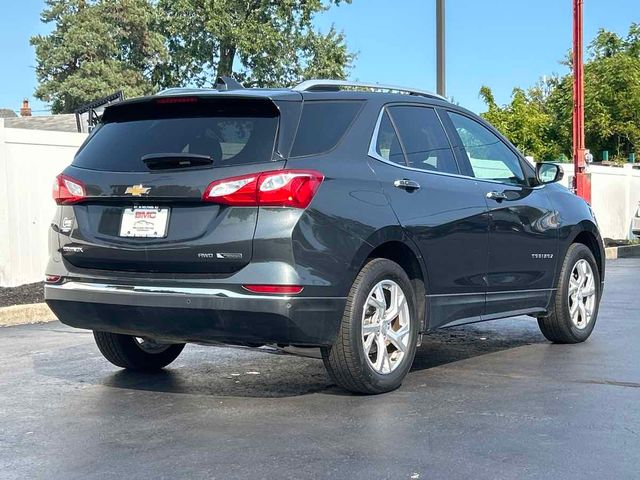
point(393, 244)
point(588, 235)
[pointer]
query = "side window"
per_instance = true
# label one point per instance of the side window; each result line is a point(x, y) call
point(322, 126)
point(490, 158)
point(387, 143)
point(424, 139)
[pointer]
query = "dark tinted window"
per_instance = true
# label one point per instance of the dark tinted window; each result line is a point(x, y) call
point(490, 158)
point(322, 126)
point(387, 143)
point(229, 135)
point(424, 139)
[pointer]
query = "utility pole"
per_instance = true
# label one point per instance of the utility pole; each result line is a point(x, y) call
point(440, 48)
point(582, 180)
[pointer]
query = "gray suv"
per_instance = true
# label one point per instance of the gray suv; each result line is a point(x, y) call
point(350, 217)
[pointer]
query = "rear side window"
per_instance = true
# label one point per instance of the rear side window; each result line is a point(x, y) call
point(387, 143)
point(230, 134)
point(322, 126)
point(424, 140)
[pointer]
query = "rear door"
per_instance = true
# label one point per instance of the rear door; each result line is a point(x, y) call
point(523, 236)
point(443, 212)
point(145, 170)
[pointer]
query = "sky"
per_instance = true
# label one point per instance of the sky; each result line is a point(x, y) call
point(499, 43)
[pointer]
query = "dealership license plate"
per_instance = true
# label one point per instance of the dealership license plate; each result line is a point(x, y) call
point(149, 222)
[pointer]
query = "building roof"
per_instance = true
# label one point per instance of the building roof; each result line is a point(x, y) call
point(59, 123)
point(7, 113)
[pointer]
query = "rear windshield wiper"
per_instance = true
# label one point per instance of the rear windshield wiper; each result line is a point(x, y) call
point(172, 161)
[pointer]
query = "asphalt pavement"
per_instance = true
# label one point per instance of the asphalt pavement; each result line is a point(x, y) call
point(492, 400)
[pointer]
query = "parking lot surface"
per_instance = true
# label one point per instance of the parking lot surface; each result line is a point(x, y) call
point(492, 400)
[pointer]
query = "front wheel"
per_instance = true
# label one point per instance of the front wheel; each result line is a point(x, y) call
point(577, 298)
point(136, 353)
point(377, 340)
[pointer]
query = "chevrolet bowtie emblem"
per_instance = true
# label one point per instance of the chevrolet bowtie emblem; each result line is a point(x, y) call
point(137, 190)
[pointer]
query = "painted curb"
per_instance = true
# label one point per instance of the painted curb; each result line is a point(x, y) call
point(626, 251)
point(25, 314)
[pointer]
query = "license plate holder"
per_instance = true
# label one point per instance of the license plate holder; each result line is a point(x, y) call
point(144, 222)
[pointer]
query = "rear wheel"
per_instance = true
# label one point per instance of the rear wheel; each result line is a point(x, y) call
point(377, 340)
point(576, 300)
point(136, 353)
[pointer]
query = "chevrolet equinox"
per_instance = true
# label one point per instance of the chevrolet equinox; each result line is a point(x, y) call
point(350, 217)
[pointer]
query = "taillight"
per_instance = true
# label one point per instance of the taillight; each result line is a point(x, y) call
point(278, 188)
point(68, 190)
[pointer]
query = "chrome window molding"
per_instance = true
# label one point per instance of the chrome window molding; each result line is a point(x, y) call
point(374, 154)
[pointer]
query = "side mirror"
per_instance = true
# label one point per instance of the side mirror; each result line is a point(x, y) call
point(548, 173)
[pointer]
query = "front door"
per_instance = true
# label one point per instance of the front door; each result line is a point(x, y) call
point(523, 231)
point(444, 213)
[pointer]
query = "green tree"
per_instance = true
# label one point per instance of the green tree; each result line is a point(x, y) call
point(612, 96)
point(96, 48)
point(260, 42)
point(539, 121)
point(525, 121)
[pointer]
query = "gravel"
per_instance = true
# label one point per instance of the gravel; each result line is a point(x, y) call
point(30, 293)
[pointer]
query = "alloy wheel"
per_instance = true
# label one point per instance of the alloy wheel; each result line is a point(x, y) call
point(582, 294)
point(386, 327)
point(149, 345)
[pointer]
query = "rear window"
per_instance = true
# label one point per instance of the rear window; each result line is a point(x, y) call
point(322, 126)
point(230, 133)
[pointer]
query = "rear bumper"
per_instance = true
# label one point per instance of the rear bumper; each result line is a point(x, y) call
point(197, 314)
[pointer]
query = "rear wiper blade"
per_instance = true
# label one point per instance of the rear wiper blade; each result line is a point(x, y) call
point(170, 161)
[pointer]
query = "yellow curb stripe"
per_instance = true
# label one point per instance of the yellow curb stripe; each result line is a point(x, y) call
point(25, 314)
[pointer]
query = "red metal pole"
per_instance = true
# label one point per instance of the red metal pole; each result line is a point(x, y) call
point(582, 183)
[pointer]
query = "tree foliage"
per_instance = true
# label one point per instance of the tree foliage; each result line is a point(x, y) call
point(260, 42)
point(95, 49)
point(98, 47)
point(539, 121)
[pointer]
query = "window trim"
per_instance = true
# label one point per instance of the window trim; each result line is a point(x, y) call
point(374, 140)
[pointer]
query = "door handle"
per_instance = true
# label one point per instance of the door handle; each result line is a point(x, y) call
point(406, 184)
point(497, 196)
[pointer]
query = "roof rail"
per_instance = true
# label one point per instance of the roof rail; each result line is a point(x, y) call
point(333, 85)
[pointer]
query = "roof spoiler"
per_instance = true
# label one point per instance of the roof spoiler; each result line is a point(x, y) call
point(222, 84)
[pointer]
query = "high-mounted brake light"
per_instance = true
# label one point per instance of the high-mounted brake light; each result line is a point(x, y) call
point(274, 289)
point(278, 188)
point(173, 100)
point(68, 190)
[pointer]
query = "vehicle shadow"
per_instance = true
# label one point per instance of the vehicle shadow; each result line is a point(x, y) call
point(227, 372)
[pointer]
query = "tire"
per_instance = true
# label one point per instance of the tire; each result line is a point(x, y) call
point(560, 326)
point(346, 361)
point(127, 352)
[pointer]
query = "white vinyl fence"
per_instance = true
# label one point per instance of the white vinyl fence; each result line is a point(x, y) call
point(29, 162)
point(615, 193)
